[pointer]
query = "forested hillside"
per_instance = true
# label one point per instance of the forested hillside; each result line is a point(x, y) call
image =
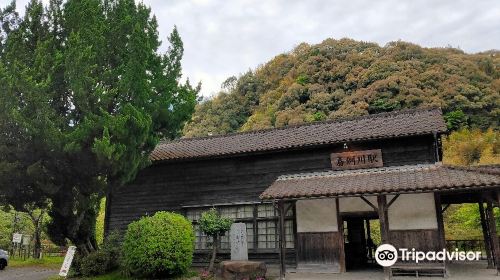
point(341, 78)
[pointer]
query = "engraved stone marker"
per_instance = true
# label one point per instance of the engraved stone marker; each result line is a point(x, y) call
point(238, 238)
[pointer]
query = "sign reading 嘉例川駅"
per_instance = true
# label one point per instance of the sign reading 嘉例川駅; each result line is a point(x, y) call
point(357, 159)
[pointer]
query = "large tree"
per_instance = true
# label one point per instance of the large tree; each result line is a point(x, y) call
point(85, 96)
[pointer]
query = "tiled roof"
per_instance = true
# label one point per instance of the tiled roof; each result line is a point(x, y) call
point(485, 168)
point(413, 178)
point(385, 125)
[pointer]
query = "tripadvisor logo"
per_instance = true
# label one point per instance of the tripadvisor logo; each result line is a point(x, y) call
point(387, 255)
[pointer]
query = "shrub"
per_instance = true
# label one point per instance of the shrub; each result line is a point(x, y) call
point(214, 225)
point(158, 246)
point(104, 260)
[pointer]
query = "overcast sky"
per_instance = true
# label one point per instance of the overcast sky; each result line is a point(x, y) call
point(227, 37)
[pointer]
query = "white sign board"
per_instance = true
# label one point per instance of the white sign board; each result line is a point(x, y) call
point(26, 239)
point(17, 238)
point(67, 261)
point(238, 238)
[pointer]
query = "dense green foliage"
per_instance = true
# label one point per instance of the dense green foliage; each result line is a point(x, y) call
point(468, 147)
point(85, 95)
point(341, 78)
point(99, 262)
point(158, 246)
point(99, 226)
point(472, 147)
point(23, 225)
point(212, 223)
point(463, 222)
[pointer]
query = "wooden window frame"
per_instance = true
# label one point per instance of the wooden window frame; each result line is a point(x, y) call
point(255, 222)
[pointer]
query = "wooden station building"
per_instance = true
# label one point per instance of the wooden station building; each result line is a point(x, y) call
point(307, 193)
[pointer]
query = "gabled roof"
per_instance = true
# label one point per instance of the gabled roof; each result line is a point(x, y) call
point(400, 179)
point(376, 126)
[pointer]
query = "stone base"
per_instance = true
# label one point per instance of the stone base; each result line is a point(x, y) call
point(238, 270)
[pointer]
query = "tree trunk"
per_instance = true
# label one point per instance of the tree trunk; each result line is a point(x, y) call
point(37, 223)
point(214, 253)
point(38, 245)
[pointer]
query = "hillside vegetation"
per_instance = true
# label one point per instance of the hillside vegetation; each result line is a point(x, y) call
point(341, 78)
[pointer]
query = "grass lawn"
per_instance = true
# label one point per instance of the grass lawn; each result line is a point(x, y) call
point(49, 262)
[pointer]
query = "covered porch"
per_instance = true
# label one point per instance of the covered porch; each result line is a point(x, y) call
point(408, 201)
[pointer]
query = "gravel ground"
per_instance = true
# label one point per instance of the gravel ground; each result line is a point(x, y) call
point(27, 273)
point(456, 271)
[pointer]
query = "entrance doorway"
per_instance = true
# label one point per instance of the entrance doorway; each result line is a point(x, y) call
point(361, 238)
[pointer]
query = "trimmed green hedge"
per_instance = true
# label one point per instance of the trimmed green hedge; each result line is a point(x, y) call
point(158, 246)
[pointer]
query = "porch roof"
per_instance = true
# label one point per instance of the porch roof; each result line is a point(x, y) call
point(400, 179)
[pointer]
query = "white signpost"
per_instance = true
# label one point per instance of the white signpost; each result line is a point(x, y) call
point(239, 245)
point(26, 239)
point(17, 237)
point(67, 261)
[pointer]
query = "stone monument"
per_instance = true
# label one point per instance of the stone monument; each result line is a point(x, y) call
point(239, 268)
point(238, 239)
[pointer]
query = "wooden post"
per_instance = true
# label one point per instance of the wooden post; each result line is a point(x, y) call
point(340, 228)
point(440, 222)
point(486, 235)
point(384, 225)
point(295, 239)
point(493, 234)
point(282, 242)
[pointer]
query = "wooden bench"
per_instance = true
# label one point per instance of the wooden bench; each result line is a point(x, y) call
point(418, 269)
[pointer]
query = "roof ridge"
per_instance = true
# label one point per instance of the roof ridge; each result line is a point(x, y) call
point(339, 120)
point(331, 173)
point(491, 169)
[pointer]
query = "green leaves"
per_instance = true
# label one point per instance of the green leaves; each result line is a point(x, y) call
point(85, 96)
point(158, 246)
point(212, 224)
point(455, 120)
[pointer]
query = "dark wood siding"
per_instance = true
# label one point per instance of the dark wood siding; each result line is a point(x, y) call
point(319, 248)
point(421, 239)
point(171, 185)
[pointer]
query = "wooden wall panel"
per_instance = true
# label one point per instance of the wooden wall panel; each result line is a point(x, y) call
point(319, 248)
point(421, 240)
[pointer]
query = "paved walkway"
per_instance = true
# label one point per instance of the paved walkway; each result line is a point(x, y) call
point(27, 273)
point(456, 271)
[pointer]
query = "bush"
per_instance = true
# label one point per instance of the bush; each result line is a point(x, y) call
point(158, 246)
point(94, 264)
point(101, 261)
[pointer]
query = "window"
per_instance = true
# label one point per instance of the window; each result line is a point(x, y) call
point(261, 221)
point(200, 238)
point(267, 234)
point(289, 237)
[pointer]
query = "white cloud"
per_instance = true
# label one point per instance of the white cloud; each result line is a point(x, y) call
point(225, 38)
